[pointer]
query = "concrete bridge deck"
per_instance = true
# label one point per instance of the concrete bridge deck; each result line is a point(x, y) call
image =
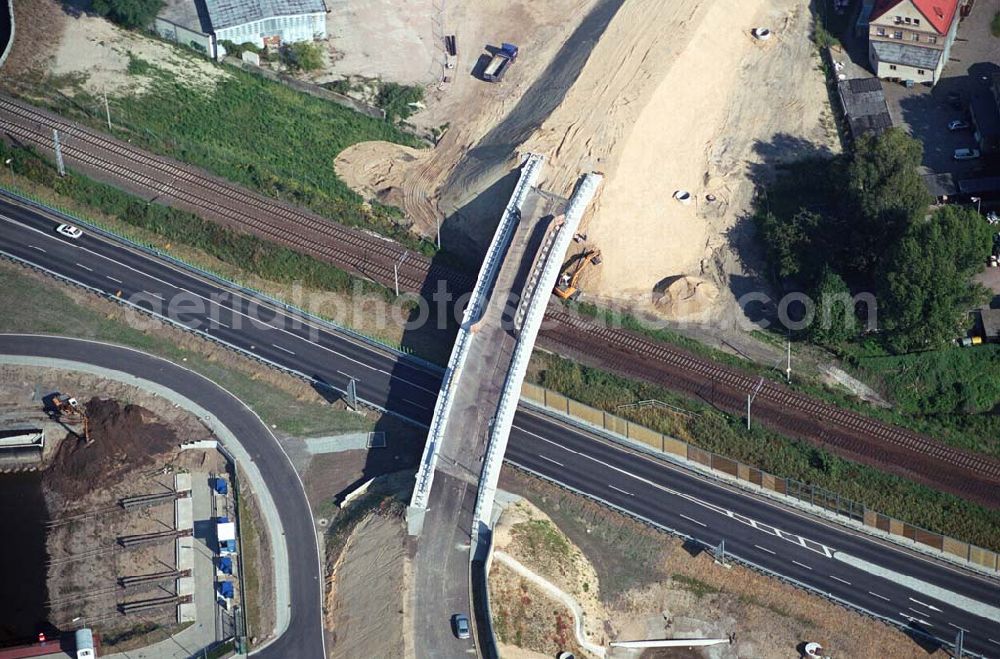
point(442, 559)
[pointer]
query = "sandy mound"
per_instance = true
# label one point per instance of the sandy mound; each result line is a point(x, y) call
point(373, 169)
point(686, 297)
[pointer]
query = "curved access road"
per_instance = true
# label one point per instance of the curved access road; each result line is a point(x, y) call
point(303, 636)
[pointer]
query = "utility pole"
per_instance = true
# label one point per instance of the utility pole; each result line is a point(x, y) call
point(58, 148)
point(352, 394)
point(720, 553)
point(788, 363)
point(750, 399)
point(395, 271)
point(437, 220)
point(107, 109)
point(979, 203)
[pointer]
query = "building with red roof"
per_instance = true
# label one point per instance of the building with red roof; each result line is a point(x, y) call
point(910, 40)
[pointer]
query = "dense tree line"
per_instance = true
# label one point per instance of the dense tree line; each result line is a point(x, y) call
point(863, 222)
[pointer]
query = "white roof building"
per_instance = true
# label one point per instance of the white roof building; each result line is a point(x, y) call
point(267, 22)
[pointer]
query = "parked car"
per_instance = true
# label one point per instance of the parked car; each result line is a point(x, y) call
point(966, 154)
point(958, 124)
point(69, 231)
point(461, 625)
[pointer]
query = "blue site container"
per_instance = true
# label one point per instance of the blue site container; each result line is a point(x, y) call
point(226, 589)
point(221, 486)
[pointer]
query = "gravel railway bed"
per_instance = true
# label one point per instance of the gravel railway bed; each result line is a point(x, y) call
point(844, 432)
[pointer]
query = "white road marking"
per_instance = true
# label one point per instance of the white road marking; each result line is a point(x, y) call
point(411, 402)
point(802, 565)
point(692, 519)
point(915, 619)
point(925, 605)
point(618, 489)
point(347, 375)
point(117, 281)
point(80, 265)
point(992, 641)
point(840, 580)
point(544, 457)
point(283, 349)
point(881, 597)
point(774, 553)
point(919, 613)
point(818, 548)
point(215, 321)
point(36, 247)
point(234, 295)
point(957, 627)
point(915, 585)
point(156, 295)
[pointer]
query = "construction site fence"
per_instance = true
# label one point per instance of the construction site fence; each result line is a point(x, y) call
point(802, 495)
point(240, 641)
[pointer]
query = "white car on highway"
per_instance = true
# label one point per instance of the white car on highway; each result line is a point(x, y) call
point(69, 231)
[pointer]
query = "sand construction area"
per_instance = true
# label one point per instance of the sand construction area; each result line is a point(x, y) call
point(660, 96)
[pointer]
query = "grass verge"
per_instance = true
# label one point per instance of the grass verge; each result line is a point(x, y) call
point(919, 383)
point(207, 125)
point(767, 450)
point(47, 307)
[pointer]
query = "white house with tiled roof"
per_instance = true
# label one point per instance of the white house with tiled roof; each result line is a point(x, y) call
point(911, 39)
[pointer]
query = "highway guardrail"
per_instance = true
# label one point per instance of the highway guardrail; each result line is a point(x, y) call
point(810, 498)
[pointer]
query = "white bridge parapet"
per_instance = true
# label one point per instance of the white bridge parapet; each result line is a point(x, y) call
point(530, 172)
point(522, 353)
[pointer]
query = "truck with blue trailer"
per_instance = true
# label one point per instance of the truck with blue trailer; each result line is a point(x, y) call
point(500, 62)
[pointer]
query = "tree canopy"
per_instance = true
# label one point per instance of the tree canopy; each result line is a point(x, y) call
point(128, 13)
point(862, 222)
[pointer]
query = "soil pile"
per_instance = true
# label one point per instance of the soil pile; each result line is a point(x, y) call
point(687, 296)
point(123, 439)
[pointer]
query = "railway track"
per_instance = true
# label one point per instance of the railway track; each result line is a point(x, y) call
point(362, 252)
point(846, 432)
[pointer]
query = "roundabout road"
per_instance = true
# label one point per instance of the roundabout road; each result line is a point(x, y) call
point(302, 638)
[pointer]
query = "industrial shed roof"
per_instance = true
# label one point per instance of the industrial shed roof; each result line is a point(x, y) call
point(228, 13)
point(864, 105)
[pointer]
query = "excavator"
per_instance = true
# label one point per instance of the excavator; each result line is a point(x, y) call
point(70, 411)
point(566, 288)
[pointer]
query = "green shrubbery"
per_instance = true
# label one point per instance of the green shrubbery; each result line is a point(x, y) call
point(261, 134)
point(128, 13)
point(268, 260)
point(779, 455)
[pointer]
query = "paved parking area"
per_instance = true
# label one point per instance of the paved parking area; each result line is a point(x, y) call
point(925, 113)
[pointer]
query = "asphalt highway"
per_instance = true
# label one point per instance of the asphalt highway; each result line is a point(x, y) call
point(926, 595)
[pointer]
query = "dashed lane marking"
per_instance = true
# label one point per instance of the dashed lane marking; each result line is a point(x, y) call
point(692, 519)
point(117, 281)
point(925, 605)
point(283, 349)
point(550, 460)
point(37, 247)
point(773, 553)
point(80, 265)
point(841, 580)
point(802, 565)
point(881, 597)
point(618, 489)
